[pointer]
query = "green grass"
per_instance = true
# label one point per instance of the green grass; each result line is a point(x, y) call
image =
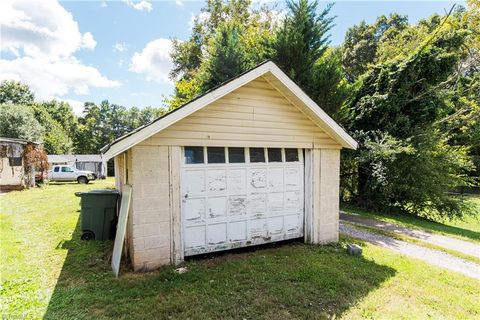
point(47, 271)
point(467, 228)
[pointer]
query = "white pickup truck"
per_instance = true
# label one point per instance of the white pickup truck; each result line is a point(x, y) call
point(67, 173)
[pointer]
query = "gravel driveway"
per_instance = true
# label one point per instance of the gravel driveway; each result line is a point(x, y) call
point(465, 247)
point(435, 257)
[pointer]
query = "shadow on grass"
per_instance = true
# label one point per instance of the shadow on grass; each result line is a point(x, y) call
point(292, 280)
point(415, 221)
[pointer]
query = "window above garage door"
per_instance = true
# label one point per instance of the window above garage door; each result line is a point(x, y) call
point(235, 155)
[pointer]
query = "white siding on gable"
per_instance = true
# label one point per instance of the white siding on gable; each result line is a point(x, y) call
point(253, 115)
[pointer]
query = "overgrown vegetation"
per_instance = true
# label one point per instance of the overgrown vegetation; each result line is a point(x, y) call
point(48, 272)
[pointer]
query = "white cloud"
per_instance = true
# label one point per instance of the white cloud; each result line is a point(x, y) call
point(44, 36)
point(40, 28)
point(179, 3)
point(120, 47)
point(143, 5)
point(88, 42)
point(103, 4)
point(154, 61)
point(54, 78)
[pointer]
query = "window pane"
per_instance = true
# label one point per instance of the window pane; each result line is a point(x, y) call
point(274, 155)
point(57, 169)
point(257, 155)
point(15, 161)
point(291, 155)
point(64, 169)
point(236, 155)
point(216, 154)
point(193, 155)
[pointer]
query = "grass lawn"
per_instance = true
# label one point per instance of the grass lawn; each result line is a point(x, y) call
point(466, 229)
point(47, 271)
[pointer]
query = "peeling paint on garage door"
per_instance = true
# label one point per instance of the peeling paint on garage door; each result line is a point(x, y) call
point(235, 197)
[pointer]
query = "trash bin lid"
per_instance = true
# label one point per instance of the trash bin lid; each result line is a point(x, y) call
point(99, 191)
point(104, 191)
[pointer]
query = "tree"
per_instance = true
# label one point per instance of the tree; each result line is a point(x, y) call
point(56, 138)
point(188, 55)
point(15, 92)
point(329, 86)
point(63, 114)
point(362, 41)
point(18, 121)
point(200, 61)
point(103, 123)
point(403, 159)
point(226, 57)
point(302, 40)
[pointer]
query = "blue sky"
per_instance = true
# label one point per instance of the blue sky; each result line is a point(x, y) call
point(120, 48)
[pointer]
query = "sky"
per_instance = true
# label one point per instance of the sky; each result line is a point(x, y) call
point(80, 51)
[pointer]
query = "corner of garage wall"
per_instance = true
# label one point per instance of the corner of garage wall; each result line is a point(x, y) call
point(152, 235)
point(323, 203)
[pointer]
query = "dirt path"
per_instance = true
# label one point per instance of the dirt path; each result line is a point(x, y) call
point(435, 257)
point(464, 247)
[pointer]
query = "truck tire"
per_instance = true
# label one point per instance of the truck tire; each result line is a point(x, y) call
point(82, 180)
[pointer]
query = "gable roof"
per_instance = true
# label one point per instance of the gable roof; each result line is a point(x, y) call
point(272, 73)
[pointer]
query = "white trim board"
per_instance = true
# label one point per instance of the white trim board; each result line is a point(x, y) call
point(268, 69)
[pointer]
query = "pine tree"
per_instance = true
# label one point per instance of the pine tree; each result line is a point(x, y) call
point(227, 57)
point(302, 40)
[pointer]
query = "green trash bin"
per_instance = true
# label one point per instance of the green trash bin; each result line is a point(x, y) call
point(98, 214)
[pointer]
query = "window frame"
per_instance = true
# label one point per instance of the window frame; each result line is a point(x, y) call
point(204, 155)
point(224, 155)
point(281, 155)
point(299, 158)
point(244, 155)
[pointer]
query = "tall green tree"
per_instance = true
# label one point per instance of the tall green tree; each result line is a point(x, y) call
point(62, 113)
point(226, 57)
point(201, 62)
point(56, 138)
point(15, 92)
point(302, 39)
point(359, 50)
point(329, 86)
point(18, 121)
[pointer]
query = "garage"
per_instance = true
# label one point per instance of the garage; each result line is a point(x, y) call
point(252, 161)
point(234, 197)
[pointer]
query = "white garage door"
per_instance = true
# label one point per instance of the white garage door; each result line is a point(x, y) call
point(234, 197)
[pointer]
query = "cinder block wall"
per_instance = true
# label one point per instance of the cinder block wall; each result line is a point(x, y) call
point(325, 195)
point(329, 195)
point(150, 226)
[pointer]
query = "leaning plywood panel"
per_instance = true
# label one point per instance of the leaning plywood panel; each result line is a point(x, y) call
point(121, 228)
